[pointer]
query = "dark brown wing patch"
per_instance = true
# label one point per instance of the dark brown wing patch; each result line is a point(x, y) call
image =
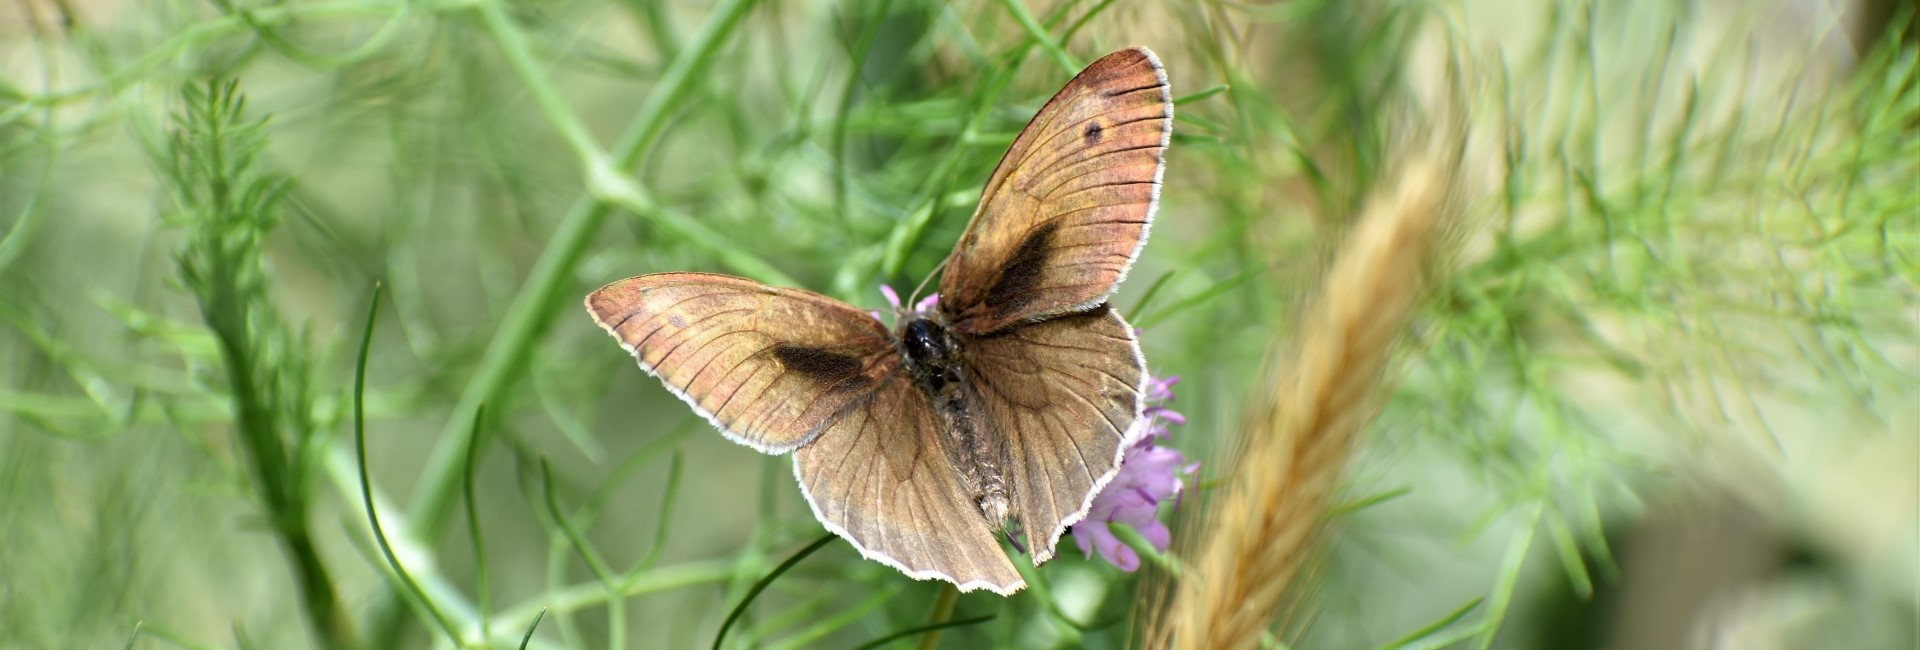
point(833, 370)
point(768, 367)
point(1067, 209)
point(1015, 288)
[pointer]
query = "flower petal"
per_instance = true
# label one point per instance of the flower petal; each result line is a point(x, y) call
point(1149, 475)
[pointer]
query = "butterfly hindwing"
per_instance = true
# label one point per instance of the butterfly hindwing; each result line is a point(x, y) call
point(1067, 209)
point(878, 476)
point(769, 367)
point(1064, 398)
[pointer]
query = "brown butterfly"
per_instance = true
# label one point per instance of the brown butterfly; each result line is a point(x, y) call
point(1014, 396)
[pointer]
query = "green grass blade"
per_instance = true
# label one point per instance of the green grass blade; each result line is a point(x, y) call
point(763, 583)
point(923, 629)
point(366, 483)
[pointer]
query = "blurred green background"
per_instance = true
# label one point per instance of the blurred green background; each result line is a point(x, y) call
point(1666, 397)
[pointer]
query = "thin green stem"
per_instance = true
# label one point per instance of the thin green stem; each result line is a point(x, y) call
point(942, 611)
point(534, 307)
point(1509, 577)
point(342, 469)
point(1153, 290)
point(269, 34)
point(906, 235)
point(606, 181)
point(1085, 18)
point(923, 629)
point(483, 593)
point(1425, 631)
point(810, 636)
point(195, 35)
point(594, 563)
point(1068, 628)
point(585, 595)
point(858, 59)
point(513, 46)
point(764, 582)
point(21, 234)
point(535, 625)
point(666, 514)
point(616, 602)
point(1040, 35)
point(366, 483)
point(1145, 549)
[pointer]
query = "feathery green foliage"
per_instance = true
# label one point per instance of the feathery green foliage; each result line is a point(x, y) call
point(1690, 268)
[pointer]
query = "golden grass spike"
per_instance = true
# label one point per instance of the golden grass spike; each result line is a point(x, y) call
point(1297, 436)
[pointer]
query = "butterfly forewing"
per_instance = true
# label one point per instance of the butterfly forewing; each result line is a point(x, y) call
point(1067, 209)
point(1064, 397)
point(769, 367)
point(879, 477)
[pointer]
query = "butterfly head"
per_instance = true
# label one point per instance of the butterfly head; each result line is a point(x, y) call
point(926, 343)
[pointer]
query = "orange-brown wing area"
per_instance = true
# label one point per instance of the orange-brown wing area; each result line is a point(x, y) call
point(1063, 397)
point(1066, 211)
point(769, 367)
point(879, 478)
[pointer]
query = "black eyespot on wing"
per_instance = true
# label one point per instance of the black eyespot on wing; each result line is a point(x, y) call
point(1021, 275)
point(839, 370)
point(1092, 135)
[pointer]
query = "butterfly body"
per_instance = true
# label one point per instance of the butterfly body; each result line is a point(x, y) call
point(931, 354)
point(1005, 406)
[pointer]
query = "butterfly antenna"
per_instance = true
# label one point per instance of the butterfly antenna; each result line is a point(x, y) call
point(915, 298)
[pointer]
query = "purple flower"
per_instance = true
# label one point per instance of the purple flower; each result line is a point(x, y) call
point(1149, 474)
point(1161, 390)
point(893, 299)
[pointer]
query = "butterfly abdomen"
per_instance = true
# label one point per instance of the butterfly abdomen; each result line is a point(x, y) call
point(933, 358)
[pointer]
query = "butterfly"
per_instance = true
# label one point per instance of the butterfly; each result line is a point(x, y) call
point(1005, 405)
